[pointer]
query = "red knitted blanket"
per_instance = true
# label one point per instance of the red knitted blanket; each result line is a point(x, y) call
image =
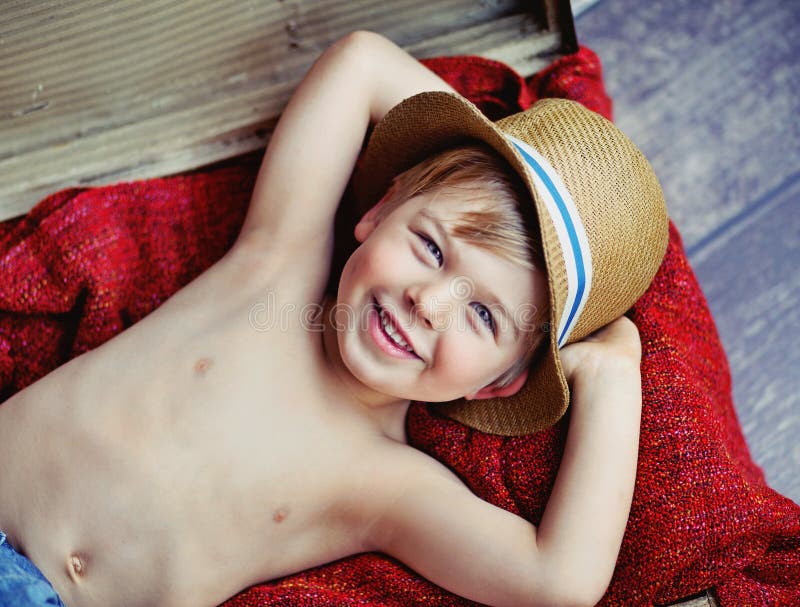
point(85, 264)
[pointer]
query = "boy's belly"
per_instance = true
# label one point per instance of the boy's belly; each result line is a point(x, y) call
point(179, 480)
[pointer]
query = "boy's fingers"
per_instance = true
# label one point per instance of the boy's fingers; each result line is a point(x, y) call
point(621, 335)
point(619, 329)
point(617, 339)
point(622, 328)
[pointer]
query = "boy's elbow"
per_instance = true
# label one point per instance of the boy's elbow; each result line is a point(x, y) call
point(359, 53)
point(563, 597)
point(571, 580)
point(579, 598)
point(362, 42)
point(579, 593)
point(363, 36)
point(566, 590)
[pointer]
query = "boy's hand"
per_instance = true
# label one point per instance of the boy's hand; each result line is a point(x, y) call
point(616, 344)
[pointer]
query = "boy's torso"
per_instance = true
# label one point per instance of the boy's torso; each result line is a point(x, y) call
point(202, 450)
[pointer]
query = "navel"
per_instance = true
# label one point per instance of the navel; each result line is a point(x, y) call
point(76, 565)
point(202, 366)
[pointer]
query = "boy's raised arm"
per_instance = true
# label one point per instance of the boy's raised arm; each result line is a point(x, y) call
point(315, 144)
point(437, 527)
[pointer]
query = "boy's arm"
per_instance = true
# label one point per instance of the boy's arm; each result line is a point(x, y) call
point(315, 144)
point(489, 555)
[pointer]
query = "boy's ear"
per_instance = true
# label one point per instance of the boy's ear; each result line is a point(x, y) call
point(368, 222)
point(492, 391)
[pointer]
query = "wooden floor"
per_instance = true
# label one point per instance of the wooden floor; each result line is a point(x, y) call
point(711, 93)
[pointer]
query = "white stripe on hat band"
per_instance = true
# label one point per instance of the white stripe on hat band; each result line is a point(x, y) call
point(570, 232)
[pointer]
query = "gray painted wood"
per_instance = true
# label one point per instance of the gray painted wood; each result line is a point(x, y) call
point(704, 600)
point(711, 93)
point(703, 87)
point(749, 275)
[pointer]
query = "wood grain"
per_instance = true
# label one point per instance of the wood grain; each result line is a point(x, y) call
point(711, 92)
point(706, 599)
point(95, 91)
point(749, 275)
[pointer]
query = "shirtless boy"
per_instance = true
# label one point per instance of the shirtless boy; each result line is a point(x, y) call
point(200, 452)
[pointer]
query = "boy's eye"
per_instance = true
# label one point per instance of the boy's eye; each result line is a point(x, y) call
point(486, 316)
point(433, 248)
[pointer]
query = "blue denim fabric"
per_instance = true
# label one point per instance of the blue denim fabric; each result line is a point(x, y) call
point(21, 583)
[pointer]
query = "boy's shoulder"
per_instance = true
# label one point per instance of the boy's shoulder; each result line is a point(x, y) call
point(410, 464)
point(398, 469)
point(419, 511)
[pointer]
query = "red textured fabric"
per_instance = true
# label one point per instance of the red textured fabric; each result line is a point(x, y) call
point(86, 263)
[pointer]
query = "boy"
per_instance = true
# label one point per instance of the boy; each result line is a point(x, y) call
point(203, 450)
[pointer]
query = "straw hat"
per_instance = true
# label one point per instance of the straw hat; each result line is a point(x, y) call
point(601, 212)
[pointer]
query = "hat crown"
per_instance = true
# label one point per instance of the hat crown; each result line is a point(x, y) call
point(618, 199)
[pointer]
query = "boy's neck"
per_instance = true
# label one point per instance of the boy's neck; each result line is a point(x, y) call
point(387, 413)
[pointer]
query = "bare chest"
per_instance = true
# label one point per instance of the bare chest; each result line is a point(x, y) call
point(201, 437)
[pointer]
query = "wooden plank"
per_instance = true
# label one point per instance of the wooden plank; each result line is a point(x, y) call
point(706, 599)
point(94, 91)
point(711, 92)
point(749, 275)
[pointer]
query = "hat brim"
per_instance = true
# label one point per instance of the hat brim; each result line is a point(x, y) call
point(415, 129)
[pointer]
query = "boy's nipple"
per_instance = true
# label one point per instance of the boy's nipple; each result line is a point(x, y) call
point(202, 366)
point(280, 514)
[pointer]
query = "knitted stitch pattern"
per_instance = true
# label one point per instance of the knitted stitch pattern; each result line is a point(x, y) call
point(85, 264)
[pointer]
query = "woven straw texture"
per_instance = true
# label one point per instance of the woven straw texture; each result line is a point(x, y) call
point(85, 264)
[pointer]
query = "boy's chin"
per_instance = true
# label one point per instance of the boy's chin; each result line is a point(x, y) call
point(432, 398)
point(401, 393)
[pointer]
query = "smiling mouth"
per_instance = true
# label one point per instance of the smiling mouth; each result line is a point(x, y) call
point(391, 332)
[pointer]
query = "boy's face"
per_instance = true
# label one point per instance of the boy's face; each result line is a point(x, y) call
point(442, 295)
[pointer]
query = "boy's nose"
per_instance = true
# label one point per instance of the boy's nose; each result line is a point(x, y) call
point(432, 304)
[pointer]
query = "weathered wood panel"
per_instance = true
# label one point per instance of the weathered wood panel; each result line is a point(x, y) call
point(711, 92)
point(94, 91)
point(705, 600)
point(749, 275)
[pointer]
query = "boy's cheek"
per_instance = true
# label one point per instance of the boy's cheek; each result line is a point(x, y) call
point(464, 367)
point(369, 267)
point(384, 257)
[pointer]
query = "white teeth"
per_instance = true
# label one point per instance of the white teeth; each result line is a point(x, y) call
point(393, 333)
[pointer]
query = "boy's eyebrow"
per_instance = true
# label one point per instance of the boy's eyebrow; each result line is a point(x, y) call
point(443, 235)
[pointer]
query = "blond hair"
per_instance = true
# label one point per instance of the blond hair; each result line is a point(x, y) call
point(498, 223)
